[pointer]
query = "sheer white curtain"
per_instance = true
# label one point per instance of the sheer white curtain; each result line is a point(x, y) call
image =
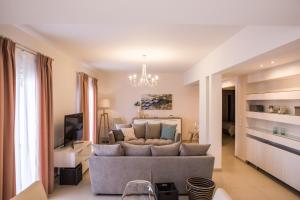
point(91, 109)
point(26, 120)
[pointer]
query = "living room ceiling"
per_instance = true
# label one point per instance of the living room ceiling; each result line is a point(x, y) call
point(286, 54)
point(205, 12)
point(112, 40)
point(120, 47)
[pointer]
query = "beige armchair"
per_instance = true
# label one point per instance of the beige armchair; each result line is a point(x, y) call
point(35, 191)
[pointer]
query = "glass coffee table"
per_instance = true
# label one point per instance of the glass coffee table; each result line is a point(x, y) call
point(139, 190)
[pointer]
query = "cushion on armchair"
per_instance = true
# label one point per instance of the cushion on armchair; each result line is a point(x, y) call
point(118, 134)
point(128, 134)
point(153, 131)
point(168, 131)
point(136, 150)
point(194, 149)
point(166, 150)
point(139, 130)
point(108, 150)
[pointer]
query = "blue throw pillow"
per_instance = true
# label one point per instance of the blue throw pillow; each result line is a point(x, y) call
point(168, 131)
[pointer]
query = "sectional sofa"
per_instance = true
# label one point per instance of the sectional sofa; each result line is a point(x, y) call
point(112, 166)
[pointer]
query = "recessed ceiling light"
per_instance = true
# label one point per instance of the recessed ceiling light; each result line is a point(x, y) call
point(272, 62)
point(261, 65)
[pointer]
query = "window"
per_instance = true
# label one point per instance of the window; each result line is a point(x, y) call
point(91, 109)
point(26, 120)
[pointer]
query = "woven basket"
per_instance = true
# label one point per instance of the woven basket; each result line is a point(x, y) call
point(200, 188)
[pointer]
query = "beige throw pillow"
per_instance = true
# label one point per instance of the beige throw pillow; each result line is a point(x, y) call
point(128, 134)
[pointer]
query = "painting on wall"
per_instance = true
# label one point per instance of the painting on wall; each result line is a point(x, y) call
point(156, 102)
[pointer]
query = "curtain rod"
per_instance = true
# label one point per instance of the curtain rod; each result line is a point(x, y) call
point(22, 47)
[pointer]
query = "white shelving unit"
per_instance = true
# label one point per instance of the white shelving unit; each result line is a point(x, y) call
point(276, 154)
point(285, 95)
point(288, 119)
point(286, 140)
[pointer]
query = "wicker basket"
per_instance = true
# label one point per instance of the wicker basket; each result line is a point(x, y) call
point(200, 188)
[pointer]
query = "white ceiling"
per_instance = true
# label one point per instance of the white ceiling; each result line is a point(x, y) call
point(218, 12)
point(120, 47)
point(109, 42)
point(286, 54)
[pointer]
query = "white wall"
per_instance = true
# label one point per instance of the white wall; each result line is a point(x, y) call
point(64, 74)
point(116, 86)
point(243, 46)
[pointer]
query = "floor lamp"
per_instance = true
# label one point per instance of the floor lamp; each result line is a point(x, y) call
point(104, 122)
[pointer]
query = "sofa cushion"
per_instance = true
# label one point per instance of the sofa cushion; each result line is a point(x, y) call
point(153, 131)
point(136, 150)
point(119, 126)
point(118, 134)
point(108, 150)
point(139, 130)
point(166, 150)
point(140, 141)
point(168, 131)
point(194, 149)
point(158, 142)
point(128, 134)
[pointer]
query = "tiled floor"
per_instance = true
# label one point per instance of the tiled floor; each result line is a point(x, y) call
point(240, 180)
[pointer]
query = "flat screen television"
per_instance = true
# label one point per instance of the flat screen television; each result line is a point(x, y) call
point(73, 130)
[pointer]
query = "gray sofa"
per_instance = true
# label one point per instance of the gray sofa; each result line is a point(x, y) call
point(110, 174)
point(142, 141)
point(147, 133)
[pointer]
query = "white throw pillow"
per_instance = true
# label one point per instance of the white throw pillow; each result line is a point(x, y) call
point(128, 134)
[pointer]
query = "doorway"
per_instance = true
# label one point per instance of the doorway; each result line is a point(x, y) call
point(228, 120)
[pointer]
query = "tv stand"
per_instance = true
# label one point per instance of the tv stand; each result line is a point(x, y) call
point(70, 157)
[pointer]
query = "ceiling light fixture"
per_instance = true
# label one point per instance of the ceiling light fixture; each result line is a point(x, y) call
point(147, 80)
point(261, 66)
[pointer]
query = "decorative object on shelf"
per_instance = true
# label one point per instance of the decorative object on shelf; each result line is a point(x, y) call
point(297, 110)
point(194, 133)
point(271, 109)
point(282, 131)
point(156, 102)
point(283, 110)
point(145, 80)
point(104, 121)
point(138, 106)
point(257, 108)
point(275, 130)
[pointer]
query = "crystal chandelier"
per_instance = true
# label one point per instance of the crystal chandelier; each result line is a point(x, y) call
point(145, 79)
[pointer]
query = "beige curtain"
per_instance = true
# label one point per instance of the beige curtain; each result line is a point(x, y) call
point(83, 80)
point(44, 73)
point(7, 118)
point(95, 90)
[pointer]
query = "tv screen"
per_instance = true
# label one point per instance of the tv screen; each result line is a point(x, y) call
point(73, 128)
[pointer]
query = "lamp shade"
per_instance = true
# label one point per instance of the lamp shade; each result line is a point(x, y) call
point(104, 103)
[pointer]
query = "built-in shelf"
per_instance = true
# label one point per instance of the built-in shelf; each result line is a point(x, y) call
point(286, 95)
point(288, 119)
point(286, 140)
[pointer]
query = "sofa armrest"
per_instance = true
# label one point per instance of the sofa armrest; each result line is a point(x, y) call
point(111, 138)
point(177, 137)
